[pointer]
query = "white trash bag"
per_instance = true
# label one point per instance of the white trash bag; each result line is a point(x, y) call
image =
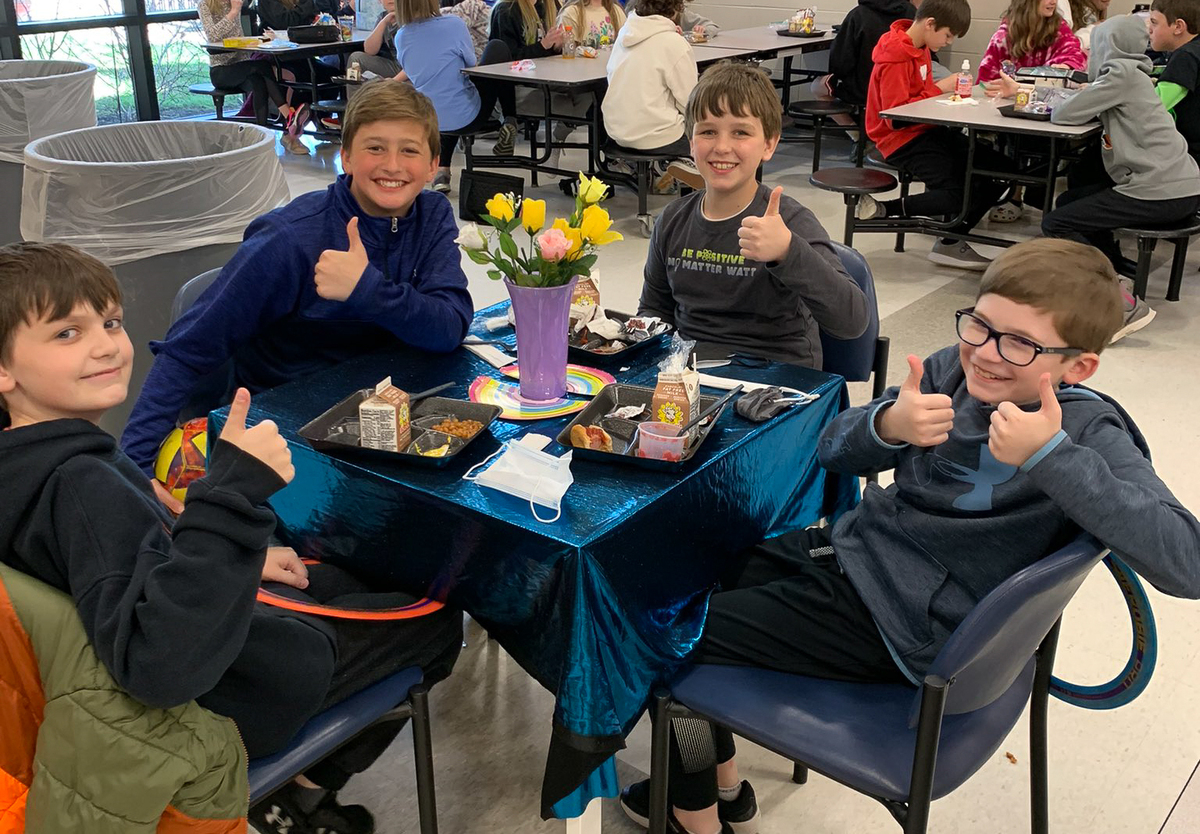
point(41, 98)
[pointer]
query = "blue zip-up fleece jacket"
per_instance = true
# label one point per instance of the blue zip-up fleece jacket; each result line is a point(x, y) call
point(956, 522)
point(263, 310)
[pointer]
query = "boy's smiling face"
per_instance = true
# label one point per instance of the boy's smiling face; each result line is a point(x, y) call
point(389, 162)
point(728, 149)
point(76, 366)
point(993, 380)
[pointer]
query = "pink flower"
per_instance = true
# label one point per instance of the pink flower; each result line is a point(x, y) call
point(553, 244)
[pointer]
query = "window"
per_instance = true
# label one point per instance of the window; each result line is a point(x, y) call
point(38, 11)
point(366, 12)
point(108, 50)
point(179, 62)
point(160, 6)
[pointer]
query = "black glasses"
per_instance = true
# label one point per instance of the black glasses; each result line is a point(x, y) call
point(1014, 349)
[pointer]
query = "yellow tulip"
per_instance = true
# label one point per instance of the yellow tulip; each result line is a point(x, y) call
point(501, 207)
point(573, 235)
point(594, 224)
point(533, 215)
point(591, 189)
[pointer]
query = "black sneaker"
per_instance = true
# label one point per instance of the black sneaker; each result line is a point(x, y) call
point(742, 813)
point(506, 139)
point(282, 813)
point(635, 802)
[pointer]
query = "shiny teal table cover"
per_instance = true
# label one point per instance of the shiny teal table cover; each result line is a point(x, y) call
point(596, 606)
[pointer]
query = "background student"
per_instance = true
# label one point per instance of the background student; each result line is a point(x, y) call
point(1174, 25)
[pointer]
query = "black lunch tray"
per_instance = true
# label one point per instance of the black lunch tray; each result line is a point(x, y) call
point(1011, 111)
point(583, 356)
point(615, 396)
point(317, 432)
point(787, 33)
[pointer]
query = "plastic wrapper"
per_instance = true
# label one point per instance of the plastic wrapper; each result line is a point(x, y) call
point(41, 98)
point(132, 191)
point(679, 355)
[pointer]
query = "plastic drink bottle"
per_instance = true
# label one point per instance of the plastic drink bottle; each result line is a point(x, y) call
point(966, 81)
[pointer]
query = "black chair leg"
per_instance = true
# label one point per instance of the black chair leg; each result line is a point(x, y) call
point(904, 183)
point(799, 773)
point(1039, 783)
point(1142, 277)
point(818, 125)
point(660, 740)
point(423, 754)
point(643, 187)
point(1177, 264)
point(219, 104)
point(848, 231)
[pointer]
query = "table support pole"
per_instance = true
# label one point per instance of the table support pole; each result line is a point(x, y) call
point(588, 822)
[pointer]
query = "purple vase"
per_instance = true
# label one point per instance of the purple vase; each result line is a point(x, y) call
point(542, 317)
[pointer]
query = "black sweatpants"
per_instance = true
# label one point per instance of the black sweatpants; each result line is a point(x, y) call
point(790, 608)
point(256, 78)
point(369, 651)
point(1090, 209)
point(938, 158)
point(490, 92)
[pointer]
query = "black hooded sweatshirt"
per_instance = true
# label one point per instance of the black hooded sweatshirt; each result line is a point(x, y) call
point(169, 607)
point(850, 56)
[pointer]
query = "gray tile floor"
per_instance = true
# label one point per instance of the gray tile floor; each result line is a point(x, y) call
point(1119, 771)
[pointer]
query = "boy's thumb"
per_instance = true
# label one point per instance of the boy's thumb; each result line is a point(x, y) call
point(235, 424)
point(916, 370)
point(773, 203)
point(352, 234)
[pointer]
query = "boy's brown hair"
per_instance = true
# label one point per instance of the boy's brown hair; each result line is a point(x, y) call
point(385, 100)
point(46, 281)
point(1073, 282)
point(670, 9)
point(739, 88)
point(1186, 10)
point(954, 15)
point(414, 11)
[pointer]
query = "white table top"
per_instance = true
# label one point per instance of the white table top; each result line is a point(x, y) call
point(982, 115)
point(764, 40)
point(556, 71)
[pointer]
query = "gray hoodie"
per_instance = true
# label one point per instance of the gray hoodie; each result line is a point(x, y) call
point(956, 522)
point(1144, 154)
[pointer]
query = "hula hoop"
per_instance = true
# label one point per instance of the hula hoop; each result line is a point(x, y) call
point(420, 608)
point(1143, 655)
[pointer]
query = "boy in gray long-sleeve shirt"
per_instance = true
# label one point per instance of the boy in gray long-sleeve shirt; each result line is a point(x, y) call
point(999, 456)
point(739, 267)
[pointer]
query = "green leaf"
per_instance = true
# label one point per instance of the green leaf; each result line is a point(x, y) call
point(509, 247)
point(585, 263)
point(479, 256)
point(512, 224)
point(495, 274)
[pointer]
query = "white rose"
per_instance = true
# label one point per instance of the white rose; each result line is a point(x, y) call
point(469, 237)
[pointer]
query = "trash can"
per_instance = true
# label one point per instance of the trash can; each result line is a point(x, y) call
point(159, 202)
point(37, 98)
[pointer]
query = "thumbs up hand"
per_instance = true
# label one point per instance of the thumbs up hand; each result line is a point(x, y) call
point(765, 238)
point(1016, 435)
point(337, 272)
point(916, 418)
point(262, 441)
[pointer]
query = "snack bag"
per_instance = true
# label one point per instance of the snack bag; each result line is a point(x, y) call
point(585, 300)
point(383, 419)
point(677, 394)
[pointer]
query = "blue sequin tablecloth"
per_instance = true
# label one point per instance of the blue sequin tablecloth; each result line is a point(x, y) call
point(596, 606)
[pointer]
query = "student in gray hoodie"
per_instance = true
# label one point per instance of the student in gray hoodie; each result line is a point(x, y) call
point(1148, 178)
point(999, 456)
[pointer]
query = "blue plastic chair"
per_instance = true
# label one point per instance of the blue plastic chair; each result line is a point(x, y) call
point(902, 747)
point(213, 388)
point(857, 359)
point(400, 696)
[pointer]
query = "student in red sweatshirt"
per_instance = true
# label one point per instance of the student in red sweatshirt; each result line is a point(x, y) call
point(937, 156)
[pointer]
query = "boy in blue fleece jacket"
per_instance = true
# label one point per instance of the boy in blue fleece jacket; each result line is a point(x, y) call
point(999, 456)
point(332, 275)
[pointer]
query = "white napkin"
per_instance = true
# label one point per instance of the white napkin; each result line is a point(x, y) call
point(728, 384)
point(492, 355)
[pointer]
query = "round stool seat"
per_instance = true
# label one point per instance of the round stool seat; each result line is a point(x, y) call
point(1183, 228)
point(853, 180)
point(486, 127)
point(874, 157)
point(616, 151)
point(819, 107)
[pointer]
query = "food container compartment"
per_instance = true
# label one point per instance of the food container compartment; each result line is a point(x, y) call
point(614, 396)
point(429, 441)
point(336, 431)
point(584, 356)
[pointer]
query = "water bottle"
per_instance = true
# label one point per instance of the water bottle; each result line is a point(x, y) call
point(962, 87)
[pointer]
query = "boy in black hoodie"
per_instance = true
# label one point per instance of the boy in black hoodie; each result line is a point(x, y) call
point(169, 605)
point(850, 62)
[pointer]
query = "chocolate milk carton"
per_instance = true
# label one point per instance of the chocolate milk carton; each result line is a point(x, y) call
point(677, 393)
point(383, 419)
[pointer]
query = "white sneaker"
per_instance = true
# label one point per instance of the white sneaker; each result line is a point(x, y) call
point(1136, 318)
point(555, 158)
point(958, 254)
point(686, 173)
point(1009, 212)
point(869, 208)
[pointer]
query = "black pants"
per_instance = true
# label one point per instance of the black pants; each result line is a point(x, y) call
point(368, 652)
point(490, 92)
point(681, 148)
point(256, 78)
point(789, 608)
point(1090, 209)
point(938, 158)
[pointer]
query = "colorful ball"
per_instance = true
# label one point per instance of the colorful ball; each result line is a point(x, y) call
point(181, 457)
